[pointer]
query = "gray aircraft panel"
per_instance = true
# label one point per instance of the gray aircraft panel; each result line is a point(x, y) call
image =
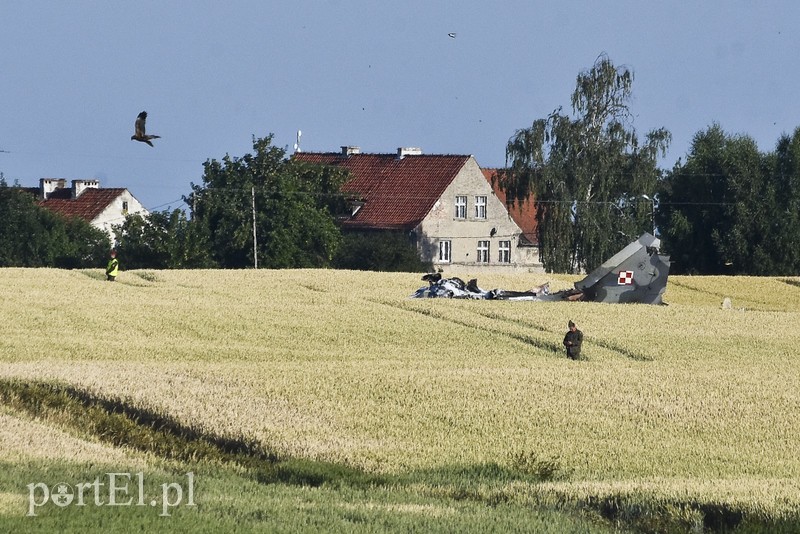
point(637, 273)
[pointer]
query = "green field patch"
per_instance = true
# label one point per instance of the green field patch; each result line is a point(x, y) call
point(117, 423)
point(509, 487)
point(112, 421)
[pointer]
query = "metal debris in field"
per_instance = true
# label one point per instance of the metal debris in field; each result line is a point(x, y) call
point(637, 273)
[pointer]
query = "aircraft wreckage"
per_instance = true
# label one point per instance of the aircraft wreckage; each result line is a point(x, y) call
point(637, 273)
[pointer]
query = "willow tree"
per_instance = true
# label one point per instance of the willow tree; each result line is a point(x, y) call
point(592, 180)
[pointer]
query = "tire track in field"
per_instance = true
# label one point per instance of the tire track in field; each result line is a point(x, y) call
point(522, 338)
point(549, 346)
point(627, 353)
point(795, 283)
point(312, 288)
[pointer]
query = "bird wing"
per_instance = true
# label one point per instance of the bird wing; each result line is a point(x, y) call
point(140, 120)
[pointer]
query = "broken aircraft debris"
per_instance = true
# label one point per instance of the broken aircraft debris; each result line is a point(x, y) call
point(637, 273)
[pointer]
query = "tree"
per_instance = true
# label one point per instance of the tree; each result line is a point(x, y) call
point(783, 238)
point(31, 236)
point(729, 209)
point(163, 240)
point(81, 246)
point(379, 251)
point(295, 204)
point(589, 174)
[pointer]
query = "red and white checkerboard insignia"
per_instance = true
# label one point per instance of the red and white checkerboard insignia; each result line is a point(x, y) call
point(625, 278)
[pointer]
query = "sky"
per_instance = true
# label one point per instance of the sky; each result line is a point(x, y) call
point(368, 73)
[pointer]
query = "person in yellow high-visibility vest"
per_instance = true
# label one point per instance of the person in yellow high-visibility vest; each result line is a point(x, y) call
point(113, 267)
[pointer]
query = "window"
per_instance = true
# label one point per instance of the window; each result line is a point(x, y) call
point(124, 207)
point(505, 252)
point(461, 207)
point(483, 252)
point(444, 251)
point(480, 207)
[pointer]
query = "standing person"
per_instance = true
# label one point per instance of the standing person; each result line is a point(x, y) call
point(113, 267)
point(573, 341)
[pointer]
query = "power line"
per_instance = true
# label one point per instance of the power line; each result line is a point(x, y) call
point(434, 197)
point(167, 204)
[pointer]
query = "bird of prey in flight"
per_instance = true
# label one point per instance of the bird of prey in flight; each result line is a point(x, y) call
point(140, 134)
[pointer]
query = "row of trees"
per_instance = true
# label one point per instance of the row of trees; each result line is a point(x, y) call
point(729, 209)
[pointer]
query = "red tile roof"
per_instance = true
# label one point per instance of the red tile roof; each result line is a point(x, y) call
point(88, 205)
point(523, 212)
point(398, 192)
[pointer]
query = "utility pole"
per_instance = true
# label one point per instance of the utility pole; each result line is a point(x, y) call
point(255, 239)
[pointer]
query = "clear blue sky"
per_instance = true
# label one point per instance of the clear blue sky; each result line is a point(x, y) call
point(210, 74)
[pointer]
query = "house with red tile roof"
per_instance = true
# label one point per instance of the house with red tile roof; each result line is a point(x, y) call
point(103, 208)
point(445, 203)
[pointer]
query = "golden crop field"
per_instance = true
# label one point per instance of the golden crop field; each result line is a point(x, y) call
point(687, 402)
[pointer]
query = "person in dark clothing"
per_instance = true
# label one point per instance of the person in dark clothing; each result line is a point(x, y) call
point(573, 341)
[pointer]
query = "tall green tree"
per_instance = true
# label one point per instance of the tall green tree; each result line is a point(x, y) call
point(783, 237)
point(163, 240)
point(295, 205)
point(590, 174)
point(730, 209)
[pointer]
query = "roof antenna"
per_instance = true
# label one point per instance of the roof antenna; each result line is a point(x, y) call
point(297, 143)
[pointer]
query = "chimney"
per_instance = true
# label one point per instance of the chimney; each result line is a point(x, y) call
point(79, 186)
point(350, 150)
point(408, 151)
point(48, 185)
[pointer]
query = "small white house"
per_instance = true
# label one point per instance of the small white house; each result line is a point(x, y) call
point(102, 208)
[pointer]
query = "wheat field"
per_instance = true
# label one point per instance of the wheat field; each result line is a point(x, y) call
point(688, 402)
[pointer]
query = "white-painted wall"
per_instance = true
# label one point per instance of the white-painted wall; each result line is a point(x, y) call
point(114, 214)
point(464, 234)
